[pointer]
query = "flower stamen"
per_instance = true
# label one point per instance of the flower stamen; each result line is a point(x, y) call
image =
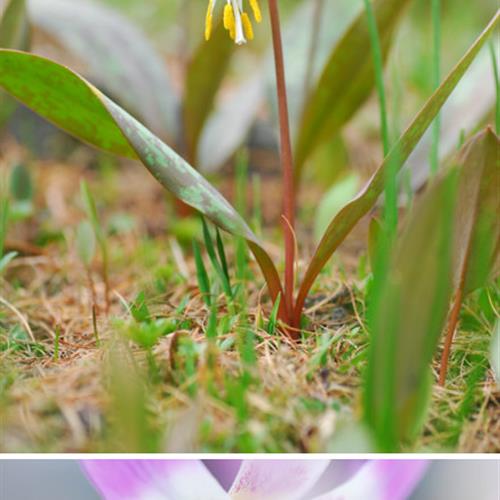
point(254, 4)
point(209, 19)
point(235, 19)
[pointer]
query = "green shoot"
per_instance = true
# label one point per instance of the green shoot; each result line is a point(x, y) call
point(216, 264)
point(211, 331)
point(201, 274)
point(222, 254)
point(391, 184)
point(6, 259)
point(273, 318)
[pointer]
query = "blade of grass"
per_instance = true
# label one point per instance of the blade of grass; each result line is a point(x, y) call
point(378, 63)
point(436, 69)
point(222, 255)
point(201, 274)
point(218, 267)
point(496, 76)
point(273, 318)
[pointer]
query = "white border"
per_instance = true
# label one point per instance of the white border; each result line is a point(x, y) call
point(251, 456)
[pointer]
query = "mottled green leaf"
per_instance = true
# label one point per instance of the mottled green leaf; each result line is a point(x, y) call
point(347, 218)
point(72, 103)
point(347, 80)
point(204, 76)
point(116, 57)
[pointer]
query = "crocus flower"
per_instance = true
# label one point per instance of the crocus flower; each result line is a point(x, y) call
point(236, 19)
point(255, 479)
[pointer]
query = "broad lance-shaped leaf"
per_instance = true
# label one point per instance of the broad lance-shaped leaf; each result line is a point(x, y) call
point(406, 318)
point(347, 80)
point(116, 57)
point(204, 76)
point(477, 226)
point(477, 234)
point(69, 101)
point(347, 218)
point(14, 34)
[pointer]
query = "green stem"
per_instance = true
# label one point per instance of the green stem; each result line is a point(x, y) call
point(391, 184)
point(378, 63)
point(436, 60)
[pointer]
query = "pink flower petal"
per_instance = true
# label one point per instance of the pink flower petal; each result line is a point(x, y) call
point(153, 480)
point(276, 479)
point(381, 480)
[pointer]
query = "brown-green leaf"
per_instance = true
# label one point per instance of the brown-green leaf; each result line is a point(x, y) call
point(477, 234)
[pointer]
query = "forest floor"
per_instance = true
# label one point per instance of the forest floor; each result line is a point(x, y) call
point(74, 381)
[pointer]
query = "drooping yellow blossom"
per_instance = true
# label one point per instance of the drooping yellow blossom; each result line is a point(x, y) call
point(236, 20)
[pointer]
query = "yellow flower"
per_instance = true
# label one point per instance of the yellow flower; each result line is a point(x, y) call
point(236, 20)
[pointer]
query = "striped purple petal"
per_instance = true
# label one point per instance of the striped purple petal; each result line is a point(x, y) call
point(381, 480)
point(153, 480)
point(276, 479)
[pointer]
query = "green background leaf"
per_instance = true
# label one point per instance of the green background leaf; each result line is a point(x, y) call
point(116, 56)
point(347, 218)
point(347, 80)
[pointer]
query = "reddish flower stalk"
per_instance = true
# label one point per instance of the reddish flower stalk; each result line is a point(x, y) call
point(286, 162)
point(450, 332)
